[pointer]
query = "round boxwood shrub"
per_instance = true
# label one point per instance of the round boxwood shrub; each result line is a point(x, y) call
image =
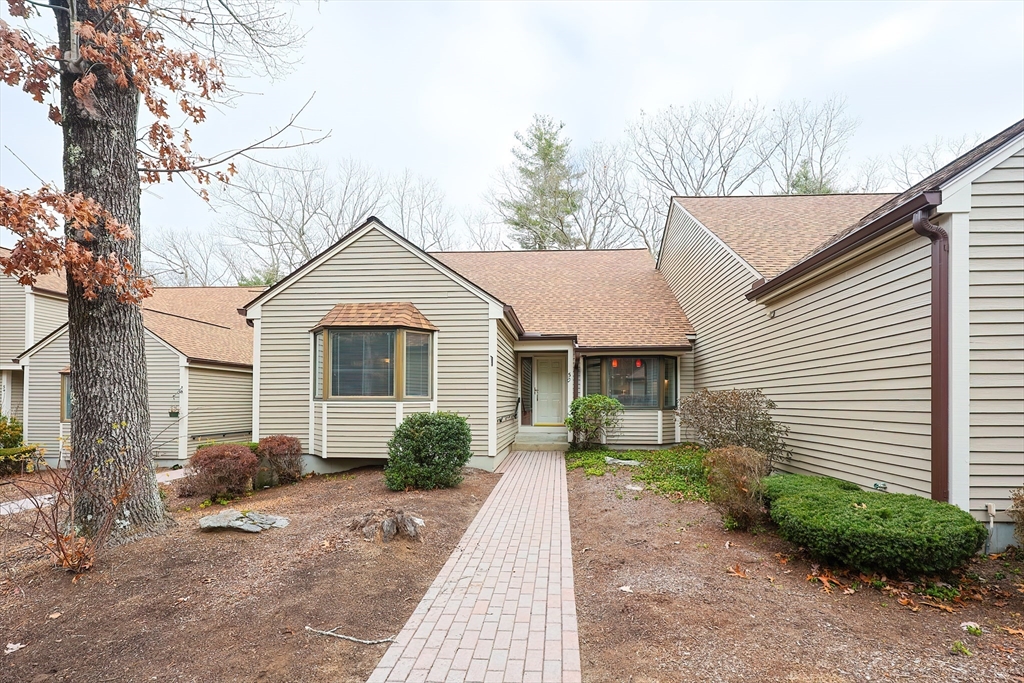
point(893, 533)
point(428, 451)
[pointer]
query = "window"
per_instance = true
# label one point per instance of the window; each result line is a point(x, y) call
point(65, 397)
point(635, 381)
point(318, 365)
point(372, 363)
point(362, 362)
point(669, 380)
point(417, 364)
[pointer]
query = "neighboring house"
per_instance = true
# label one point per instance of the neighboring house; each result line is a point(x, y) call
point(198, 365)
point(27, 314)
point(374, 329)
point(889, 330)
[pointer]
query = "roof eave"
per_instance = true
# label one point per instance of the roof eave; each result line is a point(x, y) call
point(879, 226)
point(640, 348)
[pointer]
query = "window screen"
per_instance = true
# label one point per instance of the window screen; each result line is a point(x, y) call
point(417, 364)
point(362, 363)
point(671, 390)
point(592, 378)
point(318, 365)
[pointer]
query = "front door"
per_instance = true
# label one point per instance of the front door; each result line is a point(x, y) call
point(549, 407)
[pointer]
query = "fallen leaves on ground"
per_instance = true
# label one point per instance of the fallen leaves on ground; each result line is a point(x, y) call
point(1019, 632)
point(737, 570)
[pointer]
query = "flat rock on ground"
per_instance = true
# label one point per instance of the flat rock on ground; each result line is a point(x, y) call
point(251, 521)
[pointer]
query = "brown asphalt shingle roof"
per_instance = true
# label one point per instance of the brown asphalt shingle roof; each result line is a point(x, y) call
point(931, 183)
point(202, 323)
point(55, 282)
point(609, 299)
point(383, 314)
point(772, 233)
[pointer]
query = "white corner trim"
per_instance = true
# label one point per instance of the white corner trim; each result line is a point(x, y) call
point(323, 428)
point(399, 413)
point(718, 240)
point(492, 387)
point(183, 407)
point(256, 380)
point(30, 317)
point(25, 415)
point(6, 385)
point(312, 389)
point(957, 225)
point(661, 426)
point(435, 341)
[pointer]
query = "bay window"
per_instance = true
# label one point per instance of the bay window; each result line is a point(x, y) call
point(635, 381)
point(391, 363)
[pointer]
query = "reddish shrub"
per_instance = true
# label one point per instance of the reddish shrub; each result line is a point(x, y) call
point(219, 470)
point(734, 485)
point(284, 455)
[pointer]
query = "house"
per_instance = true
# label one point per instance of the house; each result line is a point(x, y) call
point(888, 329)
point(374, 329)
point(199, 372)
point(27, 314)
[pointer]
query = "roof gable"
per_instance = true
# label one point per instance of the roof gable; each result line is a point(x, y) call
point(770, 233)
point(371, 223)
point(379, 314)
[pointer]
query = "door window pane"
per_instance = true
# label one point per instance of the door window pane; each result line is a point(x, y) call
point(526, 390)
point(362, 363)
point(634, 381)
point(417, 364)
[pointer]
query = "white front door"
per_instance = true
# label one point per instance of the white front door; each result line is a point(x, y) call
point(549, 406)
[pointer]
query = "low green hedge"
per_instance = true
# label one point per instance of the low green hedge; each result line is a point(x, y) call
point(428, 451)
point(871, 531)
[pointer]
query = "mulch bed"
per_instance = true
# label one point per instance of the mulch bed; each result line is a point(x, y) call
point(230, 606)
point(689, 619)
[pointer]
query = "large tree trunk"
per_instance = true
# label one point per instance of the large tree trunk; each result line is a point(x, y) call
point(111, 458)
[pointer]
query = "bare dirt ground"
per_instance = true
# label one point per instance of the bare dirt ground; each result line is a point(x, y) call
point(230, 606)
point(19, 485)
point(688, 619)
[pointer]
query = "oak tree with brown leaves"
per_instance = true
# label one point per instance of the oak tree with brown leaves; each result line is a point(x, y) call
point(173, 57)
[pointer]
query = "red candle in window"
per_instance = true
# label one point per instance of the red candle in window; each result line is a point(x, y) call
point(615, 362)
point(639, 363)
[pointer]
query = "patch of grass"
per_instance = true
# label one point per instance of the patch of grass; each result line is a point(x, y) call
point(592, 462)
point(959, 648)
point(678, 472)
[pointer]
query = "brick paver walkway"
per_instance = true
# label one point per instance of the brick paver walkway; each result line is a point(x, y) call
point(502, 608)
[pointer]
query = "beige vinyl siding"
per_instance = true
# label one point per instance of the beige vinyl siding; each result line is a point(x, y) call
point(668, 427)
point(997, 334)
point(372, 268)
point(409, 407)
point(17, 393)
point(163, 377)
point(42, 424)
point(12, 319)
point(639, 427)
point(50, 313)
point(358, 430)
point(508, 391)
point(846, 359)
point(219, 405)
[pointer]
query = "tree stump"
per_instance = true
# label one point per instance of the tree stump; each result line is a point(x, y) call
point(387, 524)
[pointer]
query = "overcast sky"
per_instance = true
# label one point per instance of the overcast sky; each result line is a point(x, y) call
point(441, 88)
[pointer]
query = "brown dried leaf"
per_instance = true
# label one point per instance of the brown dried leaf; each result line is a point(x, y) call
point(737, 570)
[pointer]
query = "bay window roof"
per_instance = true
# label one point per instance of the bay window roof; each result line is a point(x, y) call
point(377, 314)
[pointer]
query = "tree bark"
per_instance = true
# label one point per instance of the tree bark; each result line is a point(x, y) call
point(112, 468)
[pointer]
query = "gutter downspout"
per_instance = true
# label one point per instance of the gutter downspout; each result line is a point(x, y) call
point(939, 352)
